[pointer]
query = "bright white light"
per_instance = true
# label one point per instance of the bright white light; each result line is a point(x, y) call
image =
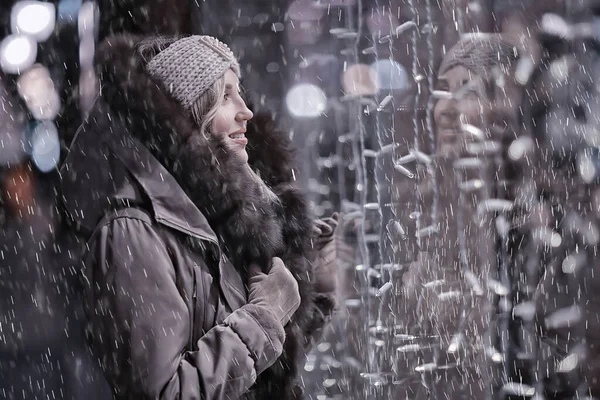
point(303, 22)
point(586, 166)
point(45, 146)
point(390, 75)
point(37, 89)
point(87, 49)
point(306, 101)
point(33, 18)
point(87, 20)
point(17, 53)
point(357, 79)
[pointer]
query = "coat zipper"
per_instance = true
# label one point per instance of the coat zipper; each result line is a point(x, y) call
point(193, 319)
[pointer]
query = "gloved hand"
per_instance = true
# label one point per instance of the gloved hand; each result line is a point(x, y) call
point(324, 243)
point(276, 291)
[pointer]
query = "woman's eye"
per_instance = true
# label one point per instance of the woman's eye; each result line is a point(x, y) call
point(471, 91)
point(226, 96)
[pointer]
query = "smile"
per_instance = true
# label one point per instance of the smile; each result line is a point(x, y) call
point(450, 133)
point(239, 138)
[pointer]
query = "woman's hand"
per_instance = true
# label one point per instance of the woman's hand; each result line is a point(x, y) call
point(275, 291)
point(324, 243)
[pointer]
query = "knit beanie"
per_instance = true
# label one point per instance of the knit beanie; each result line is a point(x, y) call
point(479, 53)
point(191, 65)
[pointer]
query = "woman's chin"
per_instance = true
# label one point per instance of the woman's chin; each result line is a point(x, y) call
point(237, 151)
point(244, 156)
point(450, 149)
point(241, 154)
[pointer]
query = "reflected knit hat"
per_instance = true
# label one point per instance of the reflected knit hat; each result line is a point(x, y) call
point(479, 53)
point(191, 65)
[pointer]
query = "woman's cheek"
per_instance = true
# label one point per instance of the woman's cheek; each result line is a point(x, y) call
point(471, 112)
point(219, 124)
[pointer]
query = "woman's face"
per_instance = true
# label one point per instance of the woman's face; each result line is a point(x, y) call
point(465, 107)
point(231, 118)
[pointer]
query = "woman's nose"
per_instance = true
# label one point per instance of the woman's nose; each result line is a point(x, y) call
point(245, 114)
point(448, 108)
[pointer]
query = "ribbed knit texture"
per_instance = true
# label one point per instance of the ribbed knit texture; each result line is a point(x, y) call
point(191, 65)
point(479, 53)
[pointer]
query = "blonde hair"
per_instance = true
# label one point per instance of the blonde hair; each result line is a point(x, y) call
point(205, 109)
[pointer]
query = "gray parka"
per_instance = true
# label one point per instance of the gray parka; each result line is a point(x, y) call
point(166, 309)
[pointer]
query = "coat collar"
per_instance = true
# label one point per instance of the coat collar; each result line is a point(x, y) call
point(170, 204)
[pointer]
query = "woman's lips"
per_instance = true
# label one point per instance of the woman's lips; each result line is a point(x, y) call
point(450, 134)
point(239, 139)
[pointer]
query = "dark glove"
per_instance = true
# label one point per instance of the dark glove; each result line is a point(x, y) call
point(276, 291)
point(324, 265)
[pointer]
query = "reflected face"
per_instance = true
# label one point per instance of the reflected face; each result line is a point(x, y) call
point(468, 105)
point(231, 118)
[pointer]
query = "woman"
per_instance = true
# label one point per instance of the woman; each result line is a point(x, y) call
point(445, 302)
point(478, 73)
point(199, 249)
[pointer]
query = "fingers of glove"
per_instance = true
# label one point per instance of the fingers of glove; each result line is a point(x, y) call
point(323, 241)
point(289, 299)
point(321, 227)
point(331, 222)
point(330, 226)
point(287, 284)
point(280, 271)
point(255, 274)
point(320, 223)
point(288, 310)
point(254, 269)
point(327, 227)
point(283, 303)
point(316, 231)
point(280, 278)
point(254, 295)
point(277, 266)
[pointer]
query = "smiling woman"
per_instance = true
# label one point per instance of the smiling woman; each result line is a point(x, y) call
point(468, 73)
point(231, 116)
point(199, 270)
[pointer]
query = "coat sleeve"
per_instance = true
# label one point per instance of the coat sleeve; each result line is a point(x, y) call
point(139, 324)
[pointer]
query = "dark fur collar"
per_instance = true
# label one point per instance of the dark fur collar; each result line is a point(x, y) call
point(250, 226)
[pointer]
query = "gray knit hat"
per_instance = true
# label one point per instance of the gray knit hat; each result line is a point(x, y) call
point(479, 53)
point(191, 65)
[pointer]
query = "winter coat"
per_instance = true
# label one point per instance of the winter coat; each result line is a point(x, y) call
point(450, 314)
point(171, 223)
